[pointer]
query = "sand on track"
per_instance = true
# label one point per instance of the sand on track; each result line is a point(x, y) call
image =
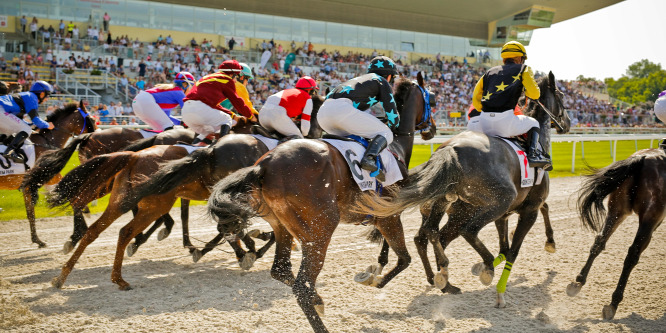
point(171, 293)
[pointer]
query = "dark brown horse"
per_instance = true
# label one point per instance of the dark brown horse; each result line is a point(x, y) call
point(188, 177)
point(304, 189)
point(635, 185)
point(70, 121)
point(89, 145)
point(452, 182)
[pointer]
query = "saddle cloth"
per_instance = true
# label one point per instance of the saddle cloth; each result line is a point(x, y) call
point(148, 133)
point(269, 142)
point(526, 173)
point(17, 168)
point(353, 152)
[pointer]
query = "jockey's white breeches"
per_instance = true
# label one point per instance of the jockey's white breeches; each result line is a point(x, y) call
point(11, 124)
point(660, 108)
point(340, 117)
point(204, 119)
point(274, 118)
point(145, 107)
point(505, 124)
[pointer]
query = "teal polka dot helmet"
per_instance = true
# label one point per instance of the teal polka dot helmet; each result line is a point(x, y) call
point(382, 65)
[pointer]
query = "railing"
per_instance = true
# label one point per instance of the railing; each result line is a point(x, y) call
point(76, 88)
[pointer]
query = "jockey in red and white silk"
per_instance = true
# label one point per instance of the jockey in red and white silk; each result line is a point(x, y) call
point(289, 105)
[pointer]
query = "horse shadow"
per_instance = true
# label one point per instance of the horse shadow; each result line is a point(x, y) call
point(634, 322)
point(160, 287)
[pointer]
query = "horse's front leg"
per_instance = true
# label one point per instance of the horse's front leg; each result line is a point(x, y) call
point(80, 228)
point(550, 240)
point(391, 229)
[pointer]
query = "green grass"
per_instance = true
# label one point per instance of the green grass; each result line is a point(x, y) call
point(597, 154)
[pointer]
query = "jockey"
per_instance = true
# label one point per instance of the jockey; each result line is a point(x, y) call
point(202, 111)
point(14, 107)
point(281, 110)
point(153, 106)
point(496, 95)
point(346, 110)
point(243, 78)
point(660, 112)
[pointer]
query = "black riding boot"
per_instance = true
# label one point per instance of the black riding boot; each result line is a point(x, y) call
point(369, 160)
point(662, 145)
point(17, 142)
point(224, 130)
point(534, 156)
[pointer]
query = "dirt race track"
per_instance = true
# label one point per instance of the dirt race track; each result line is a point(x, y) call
point(171, 293)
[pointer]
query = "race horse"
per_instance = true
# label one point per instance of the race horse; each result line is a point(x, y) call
point(89, 145)
point(71, 120)
point(634, 185)
point(304, 189)
point(476, 180)
point(145, 180)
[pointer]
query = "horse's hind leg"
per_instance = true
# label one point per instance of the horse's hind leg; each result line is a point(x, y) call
point(185, 220)
point(646, 226)
point(30, 212)
point(391, 229)
point(613, 220)
point(550, 240)
point(80, 228)
point(431, 215)
point(141, 238)
point(282, 269)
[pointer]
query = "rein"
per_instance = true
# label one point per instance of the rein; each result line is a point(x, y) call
point(427, 114)
point(552, 117)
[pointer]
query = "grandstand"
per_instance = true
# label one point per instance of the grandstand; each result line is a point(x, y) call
point(146, 42)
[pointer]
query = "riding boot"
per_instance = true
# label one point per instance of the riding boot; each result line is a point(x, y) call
point(534, 156)
point(369, 160)
point(224, 130)
point(662, 145)
point(10, 153)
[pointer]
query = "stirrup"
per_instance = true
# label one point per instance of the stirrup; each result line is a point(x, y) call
point(14, 157)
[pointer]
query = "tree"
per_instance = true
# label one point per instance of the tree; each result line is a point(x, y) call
point(643, 82)
point(642, 69)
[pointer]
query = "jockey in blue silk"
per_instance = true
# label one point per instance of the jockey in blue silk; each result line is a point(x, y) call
point(346, 110)
point(14, 107)
point(496, 96)
point(660, 113)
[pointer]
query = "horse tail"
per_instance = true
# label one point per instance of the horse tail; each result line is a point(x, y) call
point(430, 181)
point(140, 144)
point(171, 175)
point(374, 236)
point(231, 204)
point(84, 183)
point(50, 164)
point(598, 185)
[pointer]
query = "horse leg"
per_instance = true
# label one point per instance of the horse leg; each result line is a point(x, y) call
point(30, 212)
point(144, 217)
point(647, 224)
point(245, 259)
point(431, 215)
point(314, 254)
point(550, 241)
point(143, 237)
point(525, 222)
point(391, 229)
point(80, 228)
point(613, 220)
point(110, 214)
point(502, 226)
point(267, 246)
point(185, 220)
point(197, 254)
point(282, 269)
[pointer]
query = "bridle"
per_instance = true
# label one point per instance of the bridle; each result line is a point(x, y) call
point(86, 118)
point(553, 119)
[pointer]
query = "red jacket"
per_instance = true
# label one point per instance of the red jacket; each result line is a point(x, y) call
point(214, 88)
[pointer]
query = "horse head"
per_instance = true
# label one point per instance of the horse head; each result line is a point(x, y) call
point(315, 130)
point(73, 119)
point(414, 104)
point(550, 106)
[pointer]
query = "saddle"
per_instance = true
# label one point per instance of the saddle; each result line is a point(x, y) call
point(260, 130)
point(401, 164)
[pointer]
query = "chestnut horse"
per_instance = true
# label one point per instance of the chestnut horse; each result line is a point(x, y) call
point(304, 189)
point(89, 145)
point(189, 177)
point(635, 185)
point(70, 121)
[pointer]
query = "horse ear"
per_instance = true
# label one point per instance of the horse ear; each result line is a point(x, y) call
point(328, 90)
point(419, 79)
point(551, 80)
point(81, 105)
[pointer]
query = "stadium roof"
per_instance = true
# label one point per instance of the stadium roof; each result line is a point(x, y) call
point(474, 19)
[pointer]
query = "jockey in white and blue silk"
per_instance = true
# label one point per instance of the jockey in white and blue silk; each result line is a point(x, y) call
point(14, 107)
point(660, 112)
point(346, 110)
point(153, 106)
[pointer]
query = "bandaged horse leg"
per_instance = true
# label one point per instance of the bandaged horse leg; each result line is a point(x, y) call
point(501, 285)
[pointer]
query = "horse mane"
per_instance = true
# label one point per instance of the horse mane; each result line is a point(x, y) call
point(402, 91)
point(62, 112)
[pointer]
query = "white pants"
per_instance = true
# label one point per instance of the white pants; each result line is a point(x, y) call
point(145, 107)
point(660, 108)
point(340, 117)
point(11, 124)
point(274, 118)
point(504, 124)
point(203, 119)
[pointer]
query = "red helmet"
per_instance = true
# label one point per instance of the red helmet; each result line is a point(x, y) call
point(230, 66)
point(306, 83)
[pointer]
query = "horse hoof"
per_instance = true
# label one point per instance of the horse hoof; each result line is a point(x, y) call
point(67, 247)
point(196, 255)
point(131, 249)
point(574, 288)
point(486, 276)
point(441, 279)
point(295, 247)
point(364, 278)
point(550, 247)
point(478, 268)
point(451, 289)
point(501, 303)
point(608, 312)
point(57, 283)
point(375, 269)
point(320, 309)
point(125, 287)
point(254, 233)
point(164, 233)
point(248, 261)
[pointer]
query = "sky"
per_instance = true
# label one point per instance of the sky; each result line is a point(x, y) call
point(602, 43)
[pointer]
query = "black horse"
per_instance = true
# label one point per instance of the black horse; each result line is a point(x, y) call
point(476, 180)
point(635, 185)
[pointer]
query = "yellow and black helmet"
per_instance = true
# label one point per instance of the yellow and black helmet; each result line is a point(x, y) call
point(513, 49)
